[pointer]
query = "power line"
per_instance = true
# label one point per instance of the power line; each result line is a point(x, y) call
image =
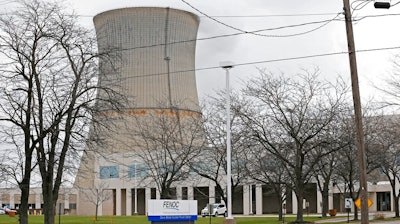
point(269, 61)
point(356, 19)
point(395, 4)
point(325, 22)
point(275, 15)
point(303, 57)
point(252, 16)
point(362, 4)
point(273, 60)
point(256, 33)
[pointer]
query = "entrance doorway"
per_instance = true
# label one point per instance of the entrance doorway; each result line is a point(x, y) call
point(383, 201)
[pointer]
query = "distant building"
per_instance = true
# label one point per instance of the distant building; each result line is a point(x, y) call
point(66, 203)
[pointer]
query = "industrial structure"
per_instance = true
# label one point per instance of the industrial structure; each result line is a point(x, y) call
point(152, 65)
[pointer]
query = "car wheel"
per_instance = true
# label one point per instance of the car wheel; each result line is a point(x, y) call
point(216, 214)
point(226, 214)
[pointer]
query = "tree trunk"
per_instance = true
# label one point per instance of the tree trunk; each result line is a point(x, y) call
point(299, 217)
point(25, 187)
point(221, 193)
point(97, 210)
point(355, 212)
point(48, 202)
point(280, 208)
point(48, 213)
point(396, 196)
point(396, 205)
point(325, 199)
point(23, 209)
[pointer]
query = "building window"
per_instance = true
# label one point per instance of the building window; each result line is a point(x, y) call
point(107, 172)
point(166, 168)
point(137, 170)
point(201, 167)
point(72, 206)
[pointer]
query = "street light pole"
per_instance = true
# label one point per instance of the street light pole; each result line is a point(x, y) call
point(357, 113)
point(229, 219)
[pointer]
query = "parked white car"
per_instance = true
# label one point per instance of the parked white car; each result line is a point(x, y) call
point(8, 211)
point(217, 209)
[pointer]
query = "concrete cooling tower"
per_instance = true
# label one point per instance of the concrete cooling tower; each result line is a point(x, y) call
point(152, 66)
point(157, 55)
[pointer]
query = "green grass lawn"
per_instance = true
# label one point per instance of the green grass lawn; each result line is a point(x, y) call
point(4, 219)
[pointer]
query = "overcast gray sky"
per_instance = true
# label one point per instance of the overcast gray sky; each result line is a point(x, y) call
point(371, 32)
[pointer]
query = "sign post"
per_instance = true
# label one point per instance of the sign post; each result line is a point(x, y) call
point(172, 211)
point(348, 203)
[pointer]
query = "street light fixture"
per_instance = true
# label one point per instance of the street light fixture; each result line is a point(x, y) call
point(227, 65)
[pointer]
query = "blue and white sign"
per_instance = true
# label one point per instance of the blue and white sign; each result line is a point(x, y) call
point(172, 210)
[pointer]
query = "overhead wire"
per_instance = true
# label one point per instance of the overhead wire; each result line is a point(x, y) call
point(308, 31)
point(325, 22)
point(252, 16)
point(362, 2)
point(395, 4)
point(274, 15)
point(263, 15)
point(269, 61)
point(357, 19)
point(297, 58)
point(256, 33)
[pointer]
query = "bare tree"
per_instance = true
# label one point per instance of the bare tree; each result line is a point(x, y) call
point(294, 115)
point(97, 195)
point(49, 88)
point(346, 171)
point(337, 138)
point(166, 141)
point(212, 164)
point(391, 86)
point(346, 175)
point(384, 143)
point(391, 100)
point(264, 167)
point(26, 57)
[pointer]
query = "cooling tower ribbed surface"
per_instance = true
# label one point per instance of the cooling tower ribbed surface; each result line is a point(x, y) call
point(157, 55)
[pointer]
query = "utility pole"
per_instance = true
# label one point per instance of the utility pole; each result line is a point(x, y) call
point(357, 113)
